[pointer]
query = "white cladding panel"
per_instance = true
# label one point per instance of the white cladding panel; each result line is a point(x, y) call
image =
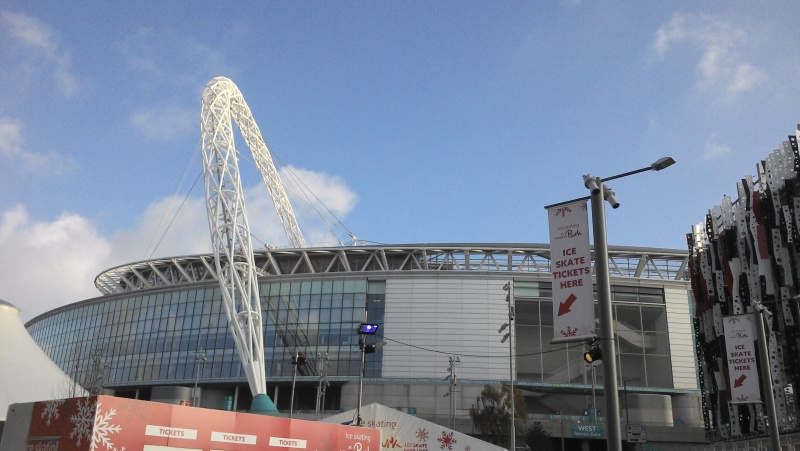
point(681, 341)
point(441, 316)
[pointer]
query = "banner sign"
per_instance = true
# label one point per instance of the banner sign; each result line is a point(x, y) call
point(743, 382)
point(105, 423)
point(571, 268)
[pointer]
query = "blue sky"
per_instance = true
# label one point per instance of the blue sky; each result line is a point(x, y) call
point(414, 122)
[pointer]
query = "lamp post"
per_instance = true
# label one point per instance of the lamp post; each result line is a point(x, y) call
point(199, 359)
point(363, 330)
point(600, 193)
point(322, 369)
point(297, 359)
point(509, 288)
point(766, 379)
point(451, 392)
point(594, 395)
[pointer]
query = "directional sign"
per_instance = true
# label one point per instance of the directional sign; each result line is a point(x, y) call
point(637, 433)
point(588, 431)
point(742, 364)
point(563, 308)
point(571, 267)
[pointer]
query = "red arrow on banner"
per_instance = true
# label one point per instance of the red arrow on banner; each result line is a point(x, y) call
point(740, 381)
point(563, 308)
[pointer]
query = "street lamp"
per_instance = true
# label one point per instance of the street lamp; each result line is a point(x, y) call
point(509, 288)
point(322, 370)
point(600, 193)
point(199, 359)
point(363, 330)
point(297, 360)
point(592, 356)
point(451, 392)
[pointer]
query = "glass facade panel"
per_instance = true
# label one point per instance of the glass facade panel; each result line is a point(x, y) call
point(153, 338)
point(641, 329)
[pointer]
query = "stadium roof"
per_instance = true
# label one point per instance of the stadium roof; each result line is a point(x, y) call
point(626, 262)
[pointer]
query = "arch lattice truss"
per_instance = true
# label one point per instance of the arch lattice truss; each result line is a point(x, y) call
point(223, 103)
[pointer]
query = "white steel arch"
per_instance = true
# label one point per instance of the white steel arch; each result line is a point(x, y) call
point(227, 217)
point(222, 98)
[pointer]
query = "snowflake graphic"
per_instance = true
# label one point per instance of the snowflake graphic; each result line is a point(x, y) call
point(570, 332)
point(133, 411)
point(467, 448)
point(422, 435)
point(51, 409)
point(103, 428)
point(447, 440)
point(83, 420)
point(563, 211)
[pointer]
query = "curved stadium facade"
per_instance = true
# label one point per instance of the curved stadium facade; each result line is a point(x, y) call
point(161, 325)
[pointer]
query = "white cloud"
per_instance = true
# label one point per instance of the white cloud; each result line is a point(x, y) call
point(713, 149)
point(746, 78)
point(330, 190)
point(721, 67)
point(166, 122)
point(12, 149)
point(46, 264)
point(38, 39)
point(166, 62)
point(156, 53)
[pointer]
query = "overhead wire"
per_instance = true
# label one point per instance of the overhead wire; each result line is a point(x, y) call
point(305, 191)
point(169, 205)
point(295, 185)
point(503, 356)
point(183, 202)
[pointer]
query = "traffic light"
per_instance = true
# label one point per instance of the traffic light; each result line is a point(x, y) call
point(593, 355)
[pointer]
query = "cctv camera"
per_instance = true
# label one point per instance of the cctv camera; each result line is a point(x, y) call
point(609, 195)
point(591, 183)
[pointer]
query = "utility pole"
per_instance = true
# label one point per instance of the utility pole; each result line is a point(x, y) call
point(452, 390)
point(322, 370)
point(297, 360)
point(509, 288)
point(199, 360)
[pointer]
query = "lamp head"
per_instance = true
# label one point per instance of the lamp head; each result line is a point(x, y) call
point(593, 355)
point(662, 163)
point(367, 329)
point(298, 359)
point(374, 347)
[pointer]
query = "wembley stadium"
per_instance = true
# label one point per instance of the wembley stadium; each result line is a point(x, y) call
point(283, 330)
point(160, 328)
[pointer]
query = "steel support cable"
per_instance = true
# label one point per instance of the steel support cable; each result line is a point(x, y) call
point(177, 188)
point(183, 202)
point(304, 192)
